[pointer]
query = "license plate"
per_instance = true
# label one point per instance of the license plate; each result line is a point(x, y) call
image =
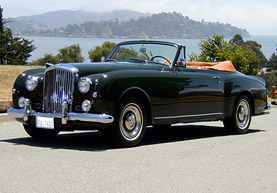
point(45, 122)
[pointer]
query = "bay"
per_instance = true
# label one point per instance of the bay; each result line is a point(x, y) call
point(47, 45)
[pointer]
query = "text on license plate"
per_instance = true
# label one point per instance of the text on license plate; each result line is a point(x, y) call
point(45, 122)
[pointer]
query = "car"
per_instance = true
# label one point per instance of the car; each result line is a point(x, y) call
point(139, 84)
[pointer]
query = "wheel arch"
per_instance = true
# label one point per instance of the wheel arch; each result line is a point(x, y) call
point(249, 96)
point(141, 95)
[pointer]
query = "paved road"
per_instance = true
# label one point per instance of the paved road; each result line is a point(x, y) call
point(189, 158)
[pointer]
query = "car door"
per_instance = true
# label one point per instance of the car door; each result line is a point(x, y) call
point(200, 94)
point(163, 92)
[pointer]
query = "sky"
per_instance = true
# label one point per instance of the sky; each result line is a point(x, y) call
point(258, 17)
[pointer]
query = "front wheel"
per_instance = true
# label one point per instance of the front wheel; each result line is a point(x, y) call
point(130, 124)
point(240, 120)
point(40, 133)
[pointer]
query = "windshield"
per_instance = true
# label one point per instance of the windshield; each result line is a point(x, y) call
point(144, 52)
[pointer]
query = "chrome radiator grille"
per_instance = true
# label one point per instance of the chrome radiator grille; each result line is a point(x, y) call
point(58, 88)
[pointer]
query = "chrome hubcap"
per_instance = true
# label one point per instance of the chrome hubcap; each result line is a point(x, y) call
point(131, 121)
point(243, 114)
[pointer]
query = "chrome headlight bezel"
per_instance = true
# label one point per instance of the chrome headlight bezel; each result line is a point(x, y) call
point(84, 85)
point(31, 83)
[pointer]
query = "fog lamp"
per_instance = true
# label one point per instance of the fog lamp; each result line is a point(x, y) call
point(21, 103)
point(86, 105)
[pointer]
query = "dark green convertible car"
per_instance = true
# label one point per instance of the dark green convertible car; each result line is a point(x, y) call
point(140, 83)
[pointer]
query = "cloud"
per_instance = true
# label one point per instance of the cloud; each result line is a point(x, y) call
point(258, 18)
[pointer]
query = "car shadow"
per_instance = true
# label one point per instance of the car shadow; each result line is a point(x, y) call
point(185, 133)
point(97, 141)
point(81, 141)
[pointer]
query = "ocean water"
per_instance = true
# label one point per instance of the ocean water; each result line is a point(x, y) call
point(47, 45)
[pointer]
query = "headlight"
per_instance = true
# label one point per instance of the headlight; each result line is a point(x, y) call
point(31, 83)
point(84, 84)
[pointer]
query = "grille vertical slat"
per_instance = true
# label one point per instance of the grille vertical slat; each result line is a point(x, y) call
point(58, 87)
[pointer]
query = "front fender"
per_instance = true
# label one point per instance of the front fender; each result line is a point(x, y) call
point(158, 86)
point(19, 86)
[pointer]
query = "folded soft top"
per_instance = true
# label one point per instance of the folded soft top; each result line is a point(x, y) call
point(222, 66)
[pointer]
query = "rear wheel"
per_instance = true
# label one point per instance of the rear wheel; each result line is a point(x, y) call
point(130, 124)
point(40, 133)
point(240, 121)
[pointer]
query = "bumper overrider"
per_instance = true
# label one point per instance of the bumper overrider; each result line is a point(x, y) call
point(268, 106)
point(65, 116)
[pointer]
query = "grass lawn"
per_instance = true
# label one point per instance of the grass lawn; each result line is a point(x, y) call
point(8, 74)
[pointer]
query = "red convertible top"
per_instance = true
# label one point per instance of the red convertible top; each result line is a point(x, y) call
point(222, 66)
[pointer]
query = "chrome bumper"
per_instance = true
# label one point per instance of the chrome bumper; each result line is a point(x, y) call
point(268, 106)
point(263, 110)
point(86, 117)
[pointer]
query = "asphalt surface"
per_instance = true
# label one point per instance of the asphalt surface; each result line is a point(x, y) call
point(186, 158)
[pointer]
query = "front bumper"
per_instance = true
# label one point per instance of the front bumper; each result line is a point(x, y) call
point(83, 117)
point(262, 110)
point(268, 106)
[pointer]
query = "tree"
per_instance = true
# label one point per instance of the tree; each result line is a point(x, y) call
point(273, 61)
point(2, 40)
point(270, 79)
point(70, 54)
point(48, 58)
point(211, 49)
point(255, 46)
point(216, 49)
point(243, 58)
point(13, 50)
point(67, 54)
point(99, 51)
point(237, 39)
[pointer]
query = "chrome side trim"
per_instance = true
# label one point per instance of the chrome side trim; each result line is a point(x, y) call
point(93, 118)
point(187, 116)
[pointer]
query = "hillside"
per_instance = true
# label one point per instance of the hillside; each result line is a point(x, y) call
point(162, 25)
point(62, 18)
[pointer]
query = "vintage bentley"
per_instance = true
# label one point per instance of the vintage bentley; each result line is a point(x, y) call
point(140, 83)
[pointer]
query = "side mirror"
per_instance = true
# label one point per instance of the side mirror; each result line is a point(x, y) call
point(182, 62)
point(102, 58)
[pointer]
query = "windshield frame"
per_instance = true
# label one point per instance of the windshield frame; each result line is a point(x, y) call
point(177, 46)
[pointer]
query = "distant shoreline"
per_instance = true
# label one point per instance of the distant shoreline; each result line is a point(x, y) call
point(47, 45)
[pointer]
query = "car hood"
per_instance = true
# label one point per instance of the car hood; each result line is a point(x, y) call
point(85, 69)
